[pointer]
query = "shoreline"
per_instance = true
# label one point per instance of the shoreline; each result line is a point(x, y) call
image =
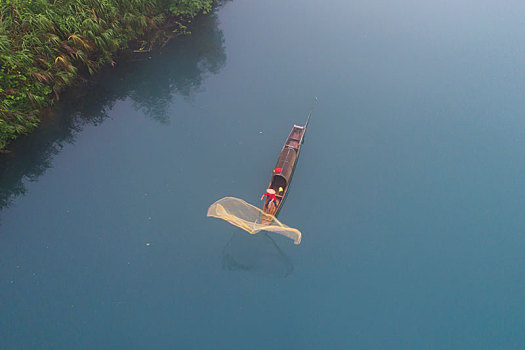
point(185, 62)
point(61, 55)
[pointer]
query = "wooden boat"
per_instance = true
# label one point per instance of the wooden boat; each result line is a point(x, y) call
point(284, 169)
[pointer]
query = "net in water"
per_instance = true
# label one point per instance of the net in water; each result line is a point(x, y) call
point(250, 218)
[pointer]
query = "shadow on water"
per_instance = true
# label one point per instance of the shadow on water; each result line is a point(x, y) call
point(151, 81)
point(256, 254)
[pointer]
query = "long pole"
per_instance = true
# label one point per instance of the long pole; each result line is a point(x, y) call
point(316, 101)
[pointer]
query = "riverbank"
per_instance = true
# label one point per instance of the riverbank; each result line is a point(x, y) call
point(46, 46)
point(149, 81)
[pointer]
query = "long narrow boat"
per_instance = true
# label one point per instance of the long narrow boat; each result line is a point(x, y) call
point(284, 169)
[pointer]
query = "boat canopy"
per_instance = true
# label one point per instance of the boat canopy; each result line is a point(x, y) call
point(286, 163)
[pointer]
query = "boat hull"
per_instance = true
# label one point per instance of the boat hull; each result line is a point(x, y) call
point(284, 170)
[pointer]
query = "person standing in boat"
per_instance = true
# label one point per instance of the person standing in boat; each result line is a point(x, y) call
point(272, 199)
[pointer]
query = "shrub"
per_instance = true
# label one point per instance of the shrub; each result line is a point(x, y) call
point(44, 44)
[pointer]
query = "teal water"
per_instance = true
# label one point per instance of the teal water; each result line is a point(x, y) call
point(409, 191)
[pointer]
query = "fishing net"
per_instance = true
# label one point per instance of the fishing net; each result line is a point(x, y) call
point(250, 218)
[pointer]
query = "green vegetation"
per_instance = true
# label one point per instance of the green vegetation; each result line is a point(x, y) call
point(46, 45)
point(150, 82)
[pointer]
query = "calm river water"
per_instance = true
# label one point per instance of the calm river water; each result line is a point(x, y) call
point(409, 192)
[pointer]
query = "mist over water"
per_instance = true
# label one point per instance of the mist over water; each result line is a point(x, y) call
point(409, 190)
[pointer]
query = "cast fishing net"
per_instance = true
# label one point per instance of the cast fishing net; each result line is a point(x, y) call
point(250, 218)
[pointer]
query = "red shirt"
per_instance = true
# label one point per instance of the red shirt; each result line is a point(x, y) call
point(272, 196)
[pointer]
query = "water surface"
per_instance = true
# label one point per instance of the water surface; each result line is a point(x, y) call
point(409, 191)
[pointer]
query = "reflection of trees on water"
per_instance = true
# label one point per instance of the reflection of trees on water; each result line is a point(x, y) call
point(150, 81)
point(256, 254)
point(179, 70)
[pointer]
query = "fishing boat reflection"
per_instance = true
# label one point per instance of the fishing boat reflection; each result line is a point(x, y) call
point(256, 254)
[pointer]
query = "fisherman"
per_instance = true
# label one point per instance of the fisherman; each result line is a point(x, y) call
point(272, 198)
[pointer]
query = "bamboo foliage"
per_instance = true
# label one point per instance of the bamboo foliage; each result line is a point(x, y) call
point(44, 44)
